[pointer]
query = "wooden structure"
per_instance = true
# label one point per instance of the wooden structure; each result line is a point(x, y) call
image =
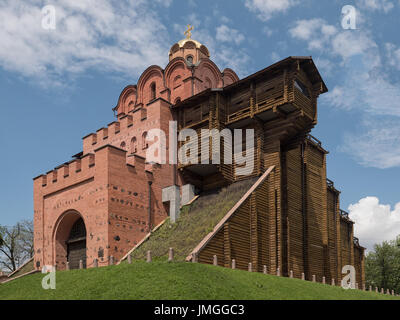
point(291, 218)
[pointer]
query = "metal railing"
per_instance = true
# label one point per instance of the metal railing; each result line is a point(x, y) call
point(314, 140)
point(344, 214)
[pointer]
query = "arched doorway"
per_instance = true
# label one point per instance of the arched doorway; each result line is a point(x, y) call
point(70, 240)
point(76, 245)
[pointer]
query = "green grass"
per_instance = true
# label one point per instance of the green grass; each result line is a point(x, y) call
point(194, 223)
point(177, 280)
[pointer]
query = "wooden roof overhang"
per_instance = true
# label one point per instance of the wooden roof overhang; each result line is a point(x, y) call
point(304, 62)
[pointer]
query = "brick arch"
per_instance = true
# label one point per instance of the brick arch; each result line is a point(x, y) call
point(61, 232)
point(229, 76)
point(204, 50)
point(208, 69)
point(152, 74)
point(127, 98)
point(176, 67)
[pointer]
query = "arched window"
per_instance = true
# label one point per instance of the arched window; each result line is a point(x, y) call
point(145, 145)
point(123, 145)
point(177, 100)
point(189, 59)
point(133, 145)
point(152, 91)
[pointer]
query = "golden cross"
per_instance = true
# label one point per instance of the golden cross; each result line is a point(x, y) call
point(188, 32)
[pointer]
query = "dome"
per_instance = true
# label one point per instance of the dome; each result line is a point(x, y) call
point(189, 47)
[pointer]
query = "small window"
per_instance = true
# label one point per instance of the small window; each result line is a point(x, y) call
point(189, 59)
point(123, 145)
point(133, 145)
point(177, 100)
point(153, 91)
point(145, 145)
point(301, 87)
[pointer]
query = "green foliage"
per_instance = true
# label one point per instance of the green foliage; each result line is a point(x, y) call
point(382, 266)
point(176, 280)
point(194, 223)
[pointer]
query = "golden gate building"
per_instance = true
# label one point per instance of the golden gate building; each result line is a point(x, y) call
point(105, 200)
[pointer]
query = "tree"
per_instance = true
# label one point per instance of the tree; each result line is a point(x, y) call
point(382, 265)
point(17, 244)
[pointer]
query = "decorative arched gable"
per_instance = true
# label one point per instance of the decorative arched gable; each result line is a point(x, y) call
point(176, 67)
point(127, 100)
point(153, 74)
point(210, 75)
point(229, 76)
point(175, 74)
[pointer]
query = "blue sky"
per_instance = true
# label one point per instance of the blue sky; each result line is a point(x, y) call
point(58, 85)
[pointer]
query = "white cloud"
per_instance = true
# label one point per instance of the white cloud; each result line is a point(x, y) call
point(377, 145)
point(268, 31)
point(226, 34)
point(376, 5)
point(363, 85)
point(393, 55)
point(265, 9)
point(304, 29)
point(328, 39)
point(123, 37)
point(374, 222)
point(275, 57)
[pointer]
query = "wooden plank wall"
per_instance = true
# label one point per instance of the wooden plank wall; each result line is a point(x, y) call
point(272, 157)
point(316, 211)
point(245, 237)
point(292, 186)
point(358, 261)
point(293, 222)
point(346, 242)
point(332, 201)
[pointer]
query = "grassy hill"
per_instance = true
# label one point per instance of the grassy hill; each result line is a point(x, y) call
point(177, 280)
point(194, 223)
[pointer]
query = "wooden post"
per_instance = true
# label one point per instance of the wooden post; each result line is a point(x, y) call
point(95, 263)
point(171, 255)
point(148, 258)
point(129, 259)
point(80, 264)
point(233, 264)
point(250, 267)
point(215, 260)
point(291, 274)
point(67, 266)
point(265, 269)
